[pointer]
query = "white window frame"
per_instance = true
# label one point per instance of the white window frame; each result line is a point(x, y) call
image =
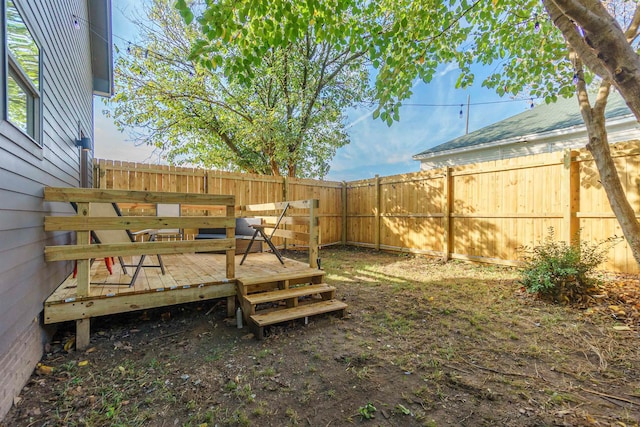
point(13, 68)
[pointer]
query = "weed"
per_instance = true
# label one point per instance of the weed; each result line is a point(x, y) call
point(293, 416)
point(268, 372)
point(561, 272)
point(361, 373)
point(367, 411)
point(245, 393)
point(401, 409)
point(239, 418)
point(331, 393)
point(230, 386)
point(263, 353)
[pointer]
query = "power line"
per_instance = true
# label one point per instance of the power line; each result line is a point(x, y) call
point(473, 103)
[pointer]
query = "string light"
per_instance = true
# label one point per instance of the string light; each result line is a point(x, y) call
point(461, 114)
point(129, 48)
point(76, 23)
point(575, 78)
point(536, 26)
point(531, 105)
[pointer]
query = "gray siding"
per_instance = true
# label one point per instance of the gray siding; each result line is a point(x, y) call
point(25, 169)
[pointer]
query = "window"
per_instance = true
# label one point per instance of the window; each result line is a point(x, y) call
point(23, 75)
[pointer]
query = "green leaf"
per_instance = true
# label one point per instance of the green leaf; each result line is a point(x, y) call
point(184, 10)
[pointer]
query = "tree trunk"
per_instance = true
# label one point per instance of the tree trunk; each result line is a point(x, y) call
point(598, 146)
point(605, 50)
point(609, 47)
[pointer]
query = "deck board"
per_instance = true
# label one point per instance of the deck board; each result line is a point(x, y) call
point(189, 277)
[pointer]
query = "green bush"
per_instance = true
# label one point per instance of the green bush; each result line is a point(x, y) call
point(562, 272)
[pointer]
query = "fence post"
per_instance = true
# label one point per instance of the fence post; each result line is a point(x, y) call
point(376, 207)
point(344, 212)
point(447, 245)
point(102, 174)
point(571, 196)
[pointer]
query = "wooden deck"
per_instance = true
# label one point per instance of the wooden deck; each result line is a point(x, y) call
point(189, 277)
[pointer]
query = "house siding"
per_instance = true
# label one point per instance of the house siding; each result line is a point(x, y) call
point(26, 280)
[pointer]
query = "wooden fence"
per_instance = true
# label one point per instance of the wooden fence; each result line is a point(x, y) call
point(249, 189)
point(481, 212)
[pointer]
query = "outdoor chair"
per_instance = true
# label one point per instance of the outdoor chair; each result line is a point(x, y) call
point(121, 236)
point(259, 234)
point(168, 210)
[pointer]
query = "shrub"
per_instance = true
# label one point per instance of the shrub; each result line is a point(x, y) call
point(562, 272)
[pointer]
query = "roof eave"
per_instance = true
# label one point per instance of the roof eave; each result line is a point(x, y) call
point(535, 137)
point(101, 50)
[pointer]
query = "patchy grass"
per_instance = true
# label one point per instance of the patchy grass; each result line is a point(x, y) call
point(425, 344)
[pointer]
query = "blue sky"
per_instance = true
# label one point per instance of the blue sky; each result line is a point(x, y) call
point(375, 148)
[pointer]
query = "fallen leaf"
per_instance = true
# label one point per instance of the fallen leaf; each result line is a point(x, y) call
point(69, 344)
point(83, 363)
point(44, 369)
point(621, 328)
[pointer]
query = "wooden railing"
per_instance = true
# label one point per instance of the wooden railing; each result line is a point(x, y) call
point(83, 223)
point(292, 222)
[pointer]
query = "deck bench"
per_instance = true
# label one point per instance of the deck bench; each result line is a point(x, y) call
point(243, 234)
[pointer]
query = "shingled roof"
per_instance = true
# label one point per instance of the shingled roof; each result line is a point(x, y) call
point(562, 114)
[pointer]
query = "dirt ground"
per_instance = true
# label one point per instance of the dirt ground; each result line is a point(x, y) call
point(424, 344)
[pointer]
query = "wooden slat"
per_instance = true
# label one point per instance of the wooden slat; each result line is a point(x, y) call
point(277, 277)
point(289, 220)
point(266, 207)
point(73, 252)
point(298, 312)
point(90, 195)
point(102, 306)
point(282, 294)
point(288, 234)
point(83, 223)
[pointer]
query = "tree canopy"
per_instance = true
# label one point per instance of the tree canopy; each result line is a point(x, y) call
point(403, 39)
point(289, 121)
point(540, 49)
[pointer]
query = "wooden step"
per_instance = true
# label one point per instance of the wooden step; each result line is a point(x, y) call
point(284, 294)
point(305, 274)
point(259, 321)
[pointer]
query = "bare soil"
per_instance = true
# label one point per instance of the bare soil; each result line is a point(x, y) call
point(424, 344)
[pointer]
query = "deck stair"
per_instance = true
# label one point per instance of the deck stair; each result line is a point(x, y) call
point(286, 297)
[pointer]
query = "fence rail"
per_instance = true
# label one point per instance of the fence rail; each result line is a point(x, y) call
point(482, 212)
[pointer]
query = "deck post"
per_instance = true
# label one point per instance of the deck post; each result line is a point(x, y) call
point(84, 266)
point(314, 233)
point(231, 306)
point(83, 333)
point(231, 253)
